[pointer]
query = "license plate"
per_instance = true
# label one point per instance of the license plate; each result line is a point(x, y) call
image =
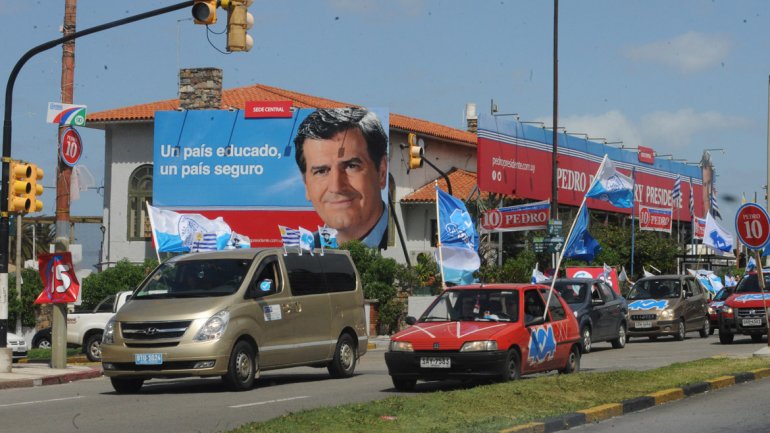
point(646, 324)
point(148, 358)
point(435, 362)
point(751, 322)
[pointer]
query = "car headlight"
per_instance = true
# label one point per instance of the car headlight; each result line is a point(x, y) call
point(401, 346)
point(108, 336)
point(727, 310)
point(214, 328)
point(479, 346)
point(575, 313)
point(667, 314)
point(711, 310)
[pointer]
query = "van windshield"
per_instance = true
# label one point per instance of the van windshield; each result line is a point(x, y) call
point(474, 306)
point(195, 278)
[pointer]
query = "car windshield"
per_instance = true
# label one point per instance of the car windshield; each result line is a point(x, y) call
point(750, 284)
point(474, 306)
point(195, 278)
point(572, 292)
point(655, 289)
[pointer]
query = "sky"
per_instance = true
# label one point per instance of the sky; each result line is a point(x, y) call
point(679, 77)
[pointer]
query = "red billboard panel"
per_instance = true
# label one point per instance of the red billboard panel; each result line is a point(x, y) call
point(646, 155)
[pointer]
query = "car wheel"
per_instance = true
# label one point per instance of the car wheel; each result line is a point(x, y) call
point(43, 343)
point(620, 342)
point(242, 367)
point(756, 338)
point(93, 347)
point(706, 331)
point(512, 368)
point(404, 383)
point(344, 362)
point(573, 361)
point(725, 337)
point(680, 334)
point(711, 329)
point(124, 385)
point(585, 335)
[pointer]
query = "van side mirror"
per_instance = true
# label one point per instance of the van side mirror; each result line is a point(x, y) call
point(410, 320)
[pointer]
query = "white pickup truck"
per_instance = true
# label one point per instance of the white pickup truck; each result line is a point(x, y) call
point(85, 328)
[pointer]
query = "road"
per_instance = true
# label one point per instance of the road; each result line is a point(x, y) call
point(203, 405)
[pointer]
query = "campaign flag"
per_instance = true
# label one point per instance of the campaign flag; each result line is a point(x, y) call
point(327, 237)
point(306, 239)
point(716, 237)
point(238, 241)
point(60, 284)
point(699, 227)
point(606, 271)
point(459, 242)
point(537, 276)
point(676, 193)
point(180, 233)
point(612, 186)
point(714, 206)
point(751, 265)
point(623, 277)
point(692, 199)
point(204, 242)
point(581, 245)
point(647, 273)
point(289, 236)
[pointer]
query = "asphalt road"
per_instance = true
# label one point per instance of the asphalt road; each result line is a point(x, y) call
point(203, 405)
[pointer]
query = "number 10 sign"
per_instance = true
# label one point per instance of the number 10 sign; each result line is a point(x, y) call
point(753, 226)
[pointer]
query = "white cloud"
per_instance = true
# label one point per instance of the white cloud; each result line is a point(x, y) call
point(687, 53)
point(612, 125)
point(677, 129)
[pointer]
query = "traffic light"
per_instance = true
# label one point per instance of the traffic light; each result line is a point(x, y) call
point(238, 21)
point(36, 188)
point(205, 11)
point(19, 187)
point(415, 152)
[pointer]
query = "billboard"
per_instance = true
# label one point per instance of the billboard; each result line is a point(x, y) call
point(221, 163)
point(515, 159)
point(532, 216)
point(655, 219)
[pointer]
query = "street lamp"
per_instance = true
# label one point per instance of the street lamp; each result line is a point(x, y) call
point(711, 150)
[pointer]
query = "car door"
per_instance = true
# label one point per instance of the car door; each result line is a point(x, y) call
point(274, 318)
point(598, 313)
point(540, 350)
point(311, 308)
point(696, 304)
point(613, 313)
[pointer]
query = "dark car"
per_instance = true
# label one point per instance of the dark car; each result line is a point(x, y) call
point(42, 339)
point(600, 312)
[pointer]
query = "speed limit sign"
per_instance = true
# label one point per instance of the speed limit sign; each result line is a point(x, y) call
point(753, 226)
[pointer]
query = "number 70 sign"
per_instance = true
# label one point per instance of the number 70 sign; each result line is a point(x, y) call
point(752, 225)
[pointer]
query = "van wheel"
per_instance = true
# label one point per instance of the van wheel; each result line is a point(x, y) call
point(124, 385)
point(680, 332)
point(344, 362)
point(725, 337)
point(620, 342)
point(242, 367)
point(404, 383)
point(573, 361)
point(706, 331)
point(93, 347)
point(512, 368)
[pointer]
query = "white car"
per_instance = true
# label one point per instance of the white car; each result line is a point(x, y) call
point(17, 345)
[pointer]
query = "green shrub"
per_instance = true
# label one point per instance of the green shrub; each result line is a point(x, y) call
point(31, 288)
point(123, 276)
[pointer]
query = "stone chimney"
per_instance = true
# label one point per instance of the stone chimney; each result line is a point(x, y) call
point(200, 89)
point(471, 118)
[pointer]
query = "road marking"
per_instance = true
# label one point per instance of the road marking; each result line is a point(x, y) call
point(40, 401)
point(237, 406)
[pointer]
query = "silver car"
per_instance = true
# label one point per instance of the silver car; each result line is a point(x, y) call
point(17, 345)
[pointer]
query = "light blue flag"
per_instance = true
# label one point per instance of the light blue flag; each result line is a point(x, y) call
point(581, 245)
point(459, 240)
point(612, 186)
point(716, 237)
point(182, 233)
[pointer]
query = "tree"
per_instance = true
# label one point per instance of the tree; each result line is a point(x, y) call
point(123, 276)
point(31, 288)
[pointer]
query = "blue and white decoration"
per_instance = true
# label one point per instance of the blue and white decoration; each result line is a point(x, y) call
point(306, 240)
point(542, 345)
point(612, 186)
point(648, 304)
point(749, 298)
point(717, 237)
point(183, 233)
point(458, 253)
point(581, 245)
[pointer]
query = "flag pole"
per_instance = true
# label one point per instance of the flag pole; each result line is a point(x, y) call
point(633, 219)
point(438, 238)
point(152, 227)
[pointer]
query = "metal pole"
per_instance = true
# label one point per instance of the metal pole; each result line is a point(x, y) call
point(555, 139)
point(18, 272)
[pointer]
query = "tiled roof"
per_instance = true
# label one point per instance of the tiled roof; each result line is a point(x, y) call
point(463, 182)
point(259, 92)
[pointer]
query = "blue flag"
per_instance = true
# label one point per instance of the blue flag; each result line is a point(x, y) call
point(581, 245)
point(612, 186)
point(459, 240)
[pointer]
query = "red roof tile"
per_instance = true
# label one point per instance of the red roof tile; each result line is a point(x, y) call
point(259, 92)
point(462, 181)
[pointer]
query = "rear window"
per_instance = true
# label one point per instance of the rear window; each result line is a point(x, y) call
point(573, 293)
point(312, 275)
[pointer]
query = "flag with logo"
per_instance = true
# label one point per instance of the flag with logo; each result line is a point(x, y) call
point(457, 253)
point(717, 237)
point(606, 272)
point(751, 265)
point(580, 244)
point(306, 240)
point(238, 241)
point(327, 237)
point(537, 276)
point(612, 186)
point(181, 233)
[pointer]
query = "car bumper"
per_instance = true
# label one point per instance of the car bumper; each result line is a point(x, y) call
point(659, 327)
point(462, 365)
point(735, 326)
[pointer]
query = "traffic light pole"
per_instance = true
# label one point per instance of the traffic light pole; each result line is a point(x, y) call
point(5, 354)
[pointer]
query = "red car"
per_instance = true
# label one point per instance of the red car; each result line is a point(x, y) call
point(743, 312)
point(486, 331)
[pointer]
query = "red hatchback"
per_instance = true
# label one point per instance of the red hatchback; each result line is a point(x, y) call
point(492, 331)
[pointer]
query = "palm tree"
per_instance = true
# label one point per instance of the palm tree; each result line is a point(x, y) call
point(37, 235)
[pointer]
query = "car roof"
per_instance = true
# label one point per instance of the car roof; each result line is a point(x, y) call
point(497, 286)
point(663, 277)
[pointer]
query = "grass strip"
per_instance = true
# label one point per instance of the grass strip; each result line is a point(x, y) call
point(45, 354)
point(496, 407)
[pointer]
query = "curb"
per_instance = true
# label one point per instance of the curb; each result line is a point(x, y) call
point(52, 380)
point(610, 410)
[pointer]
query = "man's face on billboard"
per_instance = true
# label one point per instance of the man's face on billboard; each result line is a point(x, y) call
point(344, 184)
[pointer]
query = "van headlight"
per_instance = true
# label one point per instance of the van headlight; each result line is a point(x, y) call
point(667, 314)
point(214, 328)
point(479, 346)
point(108, 336)
point(401, 346)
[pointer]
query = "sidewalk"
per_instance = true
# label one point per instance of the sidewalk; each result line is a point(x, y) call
point(25, 375)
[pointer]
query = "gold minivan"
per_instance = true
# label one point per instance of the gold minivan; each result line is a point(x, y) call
point(235, 313)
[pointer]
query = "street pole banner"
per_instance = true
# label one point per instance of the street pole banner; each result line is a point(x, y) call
point(66, 114)
point(596, 272)
point(60, 284)
point(655, 219)
point(699, 228)
point(531, 216)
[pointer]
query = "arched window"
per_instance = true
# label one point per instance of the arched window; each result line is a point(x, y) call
point(139, 192)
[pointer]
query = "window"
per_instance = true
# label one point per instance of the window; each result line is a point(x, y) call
point(556, 309)
point(533, 305)
point(267, 280)
point(607, 293)
point(340, 275)
point(139, 192)
point(106, 305)
point(305, 275)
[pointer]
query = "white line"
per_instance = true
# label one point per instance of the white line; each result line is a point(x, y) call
point(237, 406)
point(40, 401)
